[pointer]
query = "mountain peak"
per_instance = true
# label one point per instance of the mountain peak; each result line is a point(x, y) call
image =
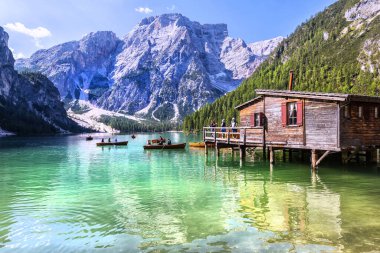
point(165, 68)
point(6, 57)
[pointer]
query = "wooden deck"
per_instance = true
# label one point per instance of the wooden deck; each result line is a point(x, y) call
point(239, 136)
point(255, 137)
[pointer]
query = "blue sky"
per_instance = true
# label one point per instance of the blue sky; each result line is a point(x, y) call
point(35, 24)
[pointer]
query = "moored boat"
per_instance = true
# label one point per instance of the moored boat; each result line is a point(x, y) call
point(119, 143)
point(89, 138)
point(200, 144)
point(166, 146)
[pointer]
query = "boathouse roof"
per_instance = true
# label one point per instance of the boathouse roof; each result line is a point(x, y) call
point(338, 97)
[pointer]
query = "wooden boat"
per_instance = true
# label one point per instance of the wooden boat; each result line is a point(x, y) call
point(157, 140)
point(89, 138)
point(165, 146)
point(119, 143)
point(200, 144)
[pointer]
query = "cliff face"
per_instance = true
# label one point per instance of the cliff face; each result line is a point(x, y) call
point(164, 69)
point(29, 103)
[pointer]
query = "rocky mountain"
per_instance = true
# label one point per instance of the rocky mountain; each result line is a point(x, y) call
point(165, 68)
point(338, 50)
point(29, 103)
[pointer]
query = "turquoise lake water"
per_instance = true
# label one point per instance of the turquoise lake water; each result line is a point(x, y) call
point(64, 194)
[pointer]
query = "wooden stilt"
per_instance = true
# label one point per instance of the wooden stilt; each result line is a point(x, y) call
point(284, 155)
point(217, 149)
point(368, 155)
point(242, 152)
point(264, 153)
point(300, 154)
point(206, 149)
point(322, 157)
point(378, 157)
point(290, 155)
point(271, 155)
point(314, 157)
point(345, 156)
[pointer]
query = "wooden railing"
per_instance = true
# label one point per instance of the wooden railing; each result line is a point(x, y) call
point(236, 135)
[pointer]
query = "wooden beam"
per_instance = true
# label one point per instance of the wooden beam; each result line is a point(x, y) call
point(338, 127)
point(314, 157)
point(271, 155)
point(322, 157)
point(320, 96)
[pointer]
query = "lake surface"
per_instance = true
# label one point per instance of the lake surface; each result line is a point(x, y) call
point(64, 194)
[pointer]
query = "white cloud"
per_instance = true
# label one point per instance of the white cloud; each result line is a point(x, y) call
point(36, 33)
point(16, 55)
point(171, 8)
point(145, 10)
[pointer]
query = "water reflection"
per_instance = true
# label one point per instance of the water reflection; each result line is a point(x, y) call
point(127, 199)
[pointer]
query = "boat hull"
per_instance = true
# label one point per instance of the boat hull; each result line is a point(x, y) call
point(120, 143)
point(200, 144)
point(165, 146)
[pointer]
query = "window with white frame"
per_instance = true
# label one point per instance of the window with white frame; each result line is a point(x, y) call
point(292, 113)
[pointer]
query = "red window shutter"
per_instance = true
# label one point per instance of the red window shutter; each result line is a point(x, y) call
point(299, 113)
point(284, 114)
point(252, 120)
point(261, 119)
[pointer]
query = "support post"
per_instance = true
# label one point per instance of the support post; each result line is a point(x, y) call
point(368, 156)
point(284, 155)
point(314, 157)
point(344, 156)
point(242, 152)
point(378, 157)
point(206, 149)
point(290, 155)
point(300, 154)
point(264, 154)
point(217, 149)
point(322, 157)
point(271, 155)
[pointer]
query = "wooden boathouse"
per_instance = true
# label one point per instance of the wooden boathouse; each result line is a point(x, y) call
point(320, 123)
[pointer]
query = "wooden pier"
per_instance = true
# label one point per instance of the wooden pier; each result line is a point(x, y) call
point(318, 123)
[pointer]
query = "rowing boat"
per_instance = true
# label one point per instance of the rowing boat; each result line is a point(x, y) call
point(200, 144)
point(120, 143)
point(165, 146)
point(89, 138)
point(157, 140)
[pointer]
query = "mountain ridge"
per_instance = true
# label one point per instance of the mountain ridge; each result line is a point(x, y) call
point(29, 102)
point(166, 67)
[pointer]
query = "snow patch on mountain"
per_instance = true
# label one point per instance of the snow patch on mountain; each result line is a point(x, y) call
point(89, 116)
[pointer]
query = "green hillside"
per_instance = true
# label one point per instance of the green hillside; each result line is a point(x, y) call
point(328, 53)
